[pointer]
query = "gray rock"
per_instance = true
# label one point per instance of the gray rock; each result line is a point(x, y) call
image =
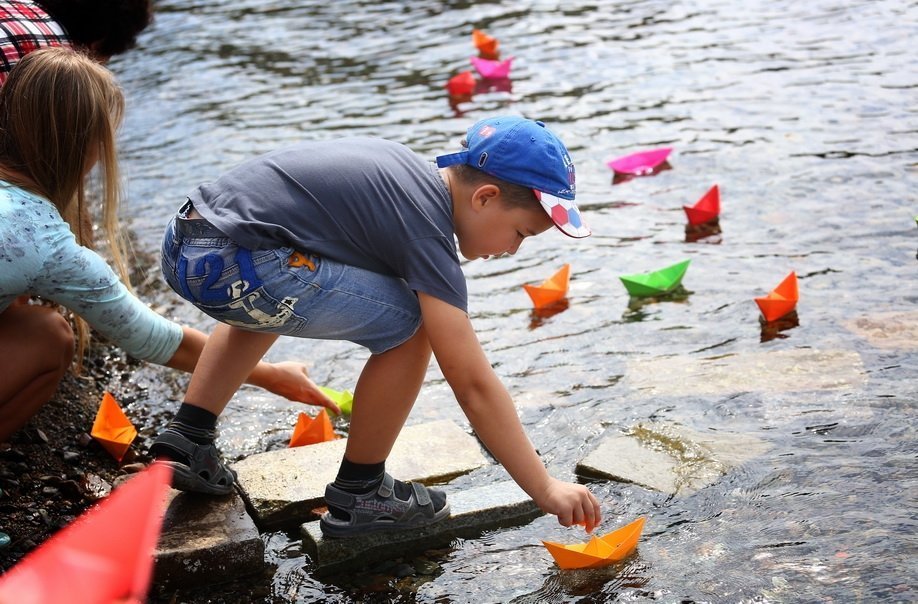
point(473, 511)
point(283, 487)
point(207, 540)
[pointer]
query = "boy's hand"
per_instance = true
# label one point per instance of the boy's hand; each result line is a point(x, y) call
point(291, 381)
point(571, 503)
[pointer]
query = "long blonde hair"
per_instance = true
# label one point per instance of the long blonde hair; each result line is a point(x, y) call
point(59, 114)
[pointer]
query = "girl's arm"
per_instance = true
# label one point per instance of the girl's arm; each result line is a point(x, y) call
point(287, 379)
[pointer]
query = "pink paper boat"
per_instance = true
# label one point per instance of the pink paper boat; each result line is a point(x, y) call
point(104, 556)
point(492, 70)
point(640, 163)
point(705, 209)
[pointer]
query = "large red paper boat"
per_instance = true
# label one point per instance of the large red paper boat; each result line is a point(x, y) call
point(104, 556)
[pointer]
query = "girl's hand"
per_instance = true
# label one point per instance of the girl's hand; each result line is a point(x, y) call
point(571, 503)
point(291, 381)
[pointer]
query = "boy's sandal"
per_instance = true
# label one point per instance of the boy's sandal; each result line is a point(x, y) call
point(206, 471)
point(379, 510)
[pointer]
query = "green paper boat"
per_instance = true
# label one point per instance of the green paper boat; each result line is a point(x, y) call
point(655, 283)
point(344, 400)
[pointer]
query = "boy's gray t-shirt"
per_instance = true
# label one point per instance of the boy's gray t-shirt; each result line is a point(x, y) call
point(370, 203)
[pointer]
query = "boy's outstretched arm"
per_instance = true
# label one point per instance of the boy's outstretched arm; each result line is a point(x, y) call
point(490, 410)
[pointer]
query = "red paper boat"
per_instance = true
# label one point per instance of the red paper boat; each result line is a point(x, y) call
point(462, 84)
point(112, 428)
point(781, 300)
point(104, 556)
point(640, 163)
point(486, 45)
point(705, 209)
point(552, 289)
point(492, 70)
point(309, 431)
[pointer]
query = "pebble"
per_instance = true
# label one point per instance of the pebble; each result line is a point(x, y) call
point(4, 540)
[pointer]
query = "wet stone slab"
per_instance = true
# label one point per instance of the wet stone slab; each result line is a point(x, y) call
point(472, 511)
point(283, 487)
point(206, 540)
point(898, 330)
point(767, 371)
point(668, 458)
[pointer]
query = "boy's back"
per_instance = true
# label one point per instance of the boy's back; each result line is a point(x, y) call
point(365, 202)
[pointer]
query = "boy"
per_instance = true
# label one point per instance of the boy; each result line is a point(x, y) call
point(355, 239)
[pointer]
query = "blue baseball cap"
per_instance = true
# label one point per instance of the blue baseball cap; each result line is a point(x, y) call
point(525, 153)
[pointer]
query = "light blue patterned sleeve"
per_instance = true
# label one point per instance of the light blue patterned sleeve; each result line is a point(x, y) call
point(40, 256)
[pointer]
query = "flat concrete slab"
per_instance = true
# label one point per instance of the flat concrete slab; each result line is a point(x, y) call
point(669, 458)
point(472, 511)
point(283, 487)
point(768, 371)
point(207, 540)
point(888, 330)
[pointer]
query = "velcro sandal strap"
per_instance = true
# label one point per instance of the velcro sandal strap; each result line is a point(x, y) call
point(420, 494)
point(386, 487)
point(176, 441)
point(338, 498)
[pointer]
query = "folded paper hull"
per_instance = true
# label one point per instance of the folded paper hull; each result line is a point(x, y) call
point(781, 300)
point(655, 283)
point(643, 162)
point(599, 551)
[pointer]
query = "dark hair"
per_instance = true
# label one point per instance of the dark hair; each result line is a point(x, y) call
point(514, 196)
point(103, 27)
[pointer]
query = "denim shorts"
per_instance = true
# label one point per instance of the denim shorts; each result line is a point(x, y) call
point(285, 291)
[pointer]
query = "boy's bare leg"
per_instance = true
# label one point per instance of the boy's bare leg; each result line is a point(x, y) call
point(386, 391)
point(228, 358)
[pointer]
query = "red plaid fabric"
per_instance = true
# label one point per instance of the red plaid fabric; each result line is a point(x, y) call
point(24, 27)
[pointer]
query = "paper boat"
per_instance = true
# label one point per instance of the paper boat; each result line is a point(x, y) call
point(705, 209)
point(112, 428)
point(486, 45)
point(492, 70)
point(781, 300)
point(309, 431)
point(598, 551)
point(104, 556)
point(552, 289)
point(344, 399)
point(462, 84)
point(640, 163)
point(656, 282)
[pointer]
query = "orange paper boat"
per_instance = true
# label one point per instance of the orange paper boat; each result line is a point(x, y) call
point(781, 300)
point(486, 45)
point(598, 551)
point(705, 209)
point(309, 431)
point(104, 556)
point(552, 290)
point(112, 428)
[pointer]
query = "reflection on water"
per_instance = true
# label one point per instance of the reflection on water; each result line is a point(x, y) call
point(805, 110)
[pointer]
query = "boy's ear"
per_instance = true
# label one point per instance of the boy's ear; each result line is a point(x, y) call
point(484, 195)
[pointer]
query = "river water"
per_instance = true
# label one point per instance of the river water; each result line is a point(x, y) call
point(804, 114)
